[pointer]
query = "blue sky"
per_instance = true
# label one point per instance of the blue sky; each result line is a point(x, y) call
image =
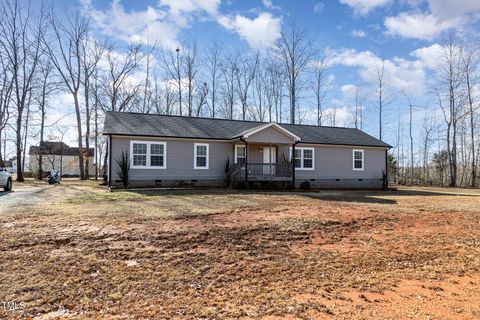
point(357, 34)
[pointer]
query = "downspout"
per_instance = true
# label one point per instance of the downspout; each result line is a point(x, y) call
point(109, 161)
point(386, 169)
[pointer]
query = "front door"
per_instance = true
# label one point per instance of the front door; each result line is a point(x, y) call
point(269, 160)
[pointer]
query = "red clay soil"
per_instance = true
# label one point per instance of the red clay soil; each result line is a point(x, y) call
point(411, 254)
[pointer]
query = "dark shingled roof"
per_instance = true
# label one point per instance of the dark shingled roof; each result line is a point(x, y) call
point(140, 124)
point(56, 148)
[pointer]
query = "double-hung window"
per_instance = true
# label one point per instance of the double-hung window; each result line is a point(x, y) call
point(200, 159)
point(304, 158)
point(148, 154)
point(240, 153)
point(358, 159)
point(139, 153)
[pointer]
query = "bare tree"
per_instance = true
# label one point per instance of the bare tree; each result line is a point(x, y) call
point(92, 52)
point(381, 97)
point(450, 73)
point(358, 112)
point(296, 51)
point(319, 68)
point(201, 95)
point(173, 65)
point(6, 87)
point(229, 85)
point(117, 90)
point(119, 94)
point(470, 59)
point(214, 54)
point(412, 162)
point(66, 52)
point(20, 43)
point(245, 74)
point(46, 87)
point(147, 105)
point(275, 85)
point(428, 125)
point(261, 102)
point(190, 65)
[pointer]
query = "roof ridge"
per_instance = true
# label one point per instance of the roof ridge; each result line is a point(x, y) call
point(233, 120)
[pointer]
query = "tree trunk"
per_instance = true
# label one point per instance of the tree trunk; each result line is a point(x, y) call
point(18, 143)
point(79, 132)
point(472, 131)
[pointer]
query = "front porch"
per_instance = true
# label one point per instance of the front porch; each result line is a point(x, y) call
point(264, 154)
point(263, 172)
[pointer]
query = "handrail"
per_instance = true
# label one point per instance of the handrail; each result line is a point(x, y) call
point(261, 169)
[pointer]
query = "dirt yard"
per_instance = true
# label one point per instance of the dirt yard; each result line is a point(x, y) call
point(80, 252)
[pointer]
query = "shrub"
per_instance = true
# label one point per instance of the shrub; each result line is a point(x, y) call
point(123, 164)
point(305, 185)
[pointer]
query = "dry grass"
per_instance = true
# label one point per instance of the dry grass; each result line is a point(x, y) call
point(220, 254)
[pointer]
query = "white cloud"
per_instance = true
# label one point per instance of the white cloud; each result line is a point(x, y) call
point(400, 74)
point(428, 55)
point(134, 26)
point(261, 32)
point(318, 7)
point(348, 90)
point(269, 4)
point(441, 16)
point(446, 10)
point(357, 33)
point(363, 7)
point(164, 22)
point(181, 11)
point(416, 25)
point(189, 6)
point(340, 116)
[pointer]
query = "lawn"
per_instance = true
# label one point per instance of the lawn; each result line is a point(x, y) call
point(81, 252)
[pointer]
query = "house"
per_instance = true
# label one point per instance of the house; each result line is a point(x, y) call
point(58, 156)
point(10, 165)
point(169, 150)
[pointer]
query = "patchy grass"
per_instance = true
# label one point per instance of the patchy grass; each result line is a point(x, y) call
point(221, 254)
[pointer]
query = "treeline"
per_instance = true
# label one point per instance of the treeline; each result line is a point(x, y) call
point(447, 151)
point(42, 56)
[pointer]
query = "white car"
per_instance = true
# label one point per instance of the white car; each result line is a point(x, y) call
point(5, 180)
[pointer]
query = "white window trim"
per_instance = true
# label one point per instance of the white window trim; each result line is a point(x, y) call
point(148, 143)
point(363, 159)
point(301, 158)
point(195, 156)
point(236, 152)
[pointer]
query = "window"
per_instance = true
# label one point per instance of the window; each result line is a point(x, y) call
point(157, 152)
point(201, 156)
point(148, 154)
point(358, 159)
point(304, 158)
point(240, 153)
point(139, 154)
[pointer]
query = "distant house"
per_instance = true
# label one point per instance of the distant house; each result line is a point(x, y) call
point(58, 156)
point(173, 150)
point(11, 165)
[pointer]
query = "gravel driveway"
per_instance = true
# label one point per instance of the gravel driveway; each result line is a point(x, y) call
point(23, 195)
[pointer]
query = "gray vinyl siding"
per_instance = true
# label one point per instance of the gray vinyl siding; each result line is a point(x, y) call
point(271, 135)
point(180, 162)
point(333, 164)
point(334, 167)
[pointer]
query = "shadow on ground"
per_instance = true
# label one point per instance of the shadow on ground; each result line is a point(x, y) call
point(360, 196)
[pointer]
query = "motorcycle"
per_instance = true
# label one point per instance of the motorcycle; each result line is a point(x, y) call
point(54, 178)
